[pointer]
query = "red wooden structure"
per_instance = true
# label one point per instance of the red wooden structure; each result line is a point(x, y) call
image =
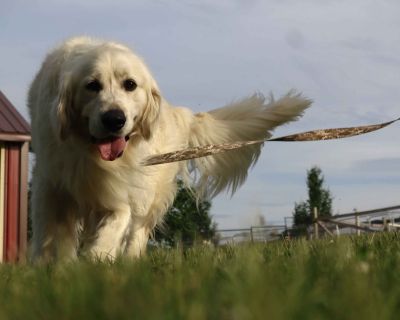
point(14, 150)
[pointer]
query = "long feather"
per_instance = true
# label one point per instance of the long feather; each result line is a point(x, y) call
point(314, 135)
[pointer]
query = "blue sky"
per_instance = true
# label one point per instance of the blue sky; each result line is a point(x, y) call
point(345, 55)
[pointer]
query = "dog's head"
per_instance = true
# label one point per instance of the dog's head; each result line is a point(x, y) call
point(106, 94)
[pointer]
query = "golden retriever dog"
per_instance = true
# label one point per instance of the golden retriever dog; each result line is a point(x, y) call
point(96, 114)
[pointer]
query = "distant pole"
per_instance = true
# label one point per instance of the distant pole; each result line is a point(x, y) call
point(251, 234)
point(316, 233)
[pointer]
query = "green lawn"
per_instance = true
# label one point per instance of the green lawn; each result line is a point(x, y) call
point(346, 278)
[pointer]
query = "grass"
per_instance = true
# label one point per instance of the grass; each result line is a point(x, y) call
point(345, 278)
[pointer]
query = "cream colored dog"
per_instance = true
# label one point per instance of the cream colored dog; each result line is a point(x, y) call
point(96, 113)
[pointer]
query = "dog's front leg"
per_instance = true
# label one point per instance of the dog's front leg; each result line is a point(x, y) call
point(107, 232)
point(137, 241)
point(54, 224)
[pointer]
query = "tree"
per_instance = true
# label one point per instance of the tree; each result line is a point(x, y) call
point(187, 220)
point(301, 214)
point(318, 197)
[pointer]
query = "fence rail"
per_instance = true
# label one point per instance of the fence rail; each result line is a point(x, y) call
point(357, 222)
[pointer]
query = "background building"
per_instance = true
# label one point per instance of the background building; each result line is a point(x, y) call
point(14, 150)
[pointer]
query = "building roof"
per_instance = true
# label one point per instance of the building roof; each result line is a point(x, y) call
point(13, 127)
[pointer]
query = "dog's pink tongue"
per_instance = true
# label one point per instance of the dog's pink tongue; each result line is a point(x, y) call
point(111, 149)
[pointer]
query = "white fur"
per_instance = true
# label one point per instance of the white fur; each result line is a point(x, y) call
point(83, 204)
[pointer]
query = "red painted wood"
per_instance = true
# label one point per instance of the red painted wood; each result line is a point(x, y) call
point(3, 193)
point(12, 203)
point(5, 202)
point(23, 201)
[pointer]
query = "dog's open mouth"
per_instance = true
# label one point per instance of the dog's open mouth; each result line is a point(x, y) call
point(111, 148)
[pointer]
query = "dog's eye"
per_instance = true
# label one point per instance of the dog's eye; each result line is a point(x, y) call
point(129, 85)
point(94, 85)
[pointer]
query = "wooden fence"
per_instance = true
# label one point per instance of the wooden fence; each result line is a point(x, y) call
point(376, 220)
point(357, 222)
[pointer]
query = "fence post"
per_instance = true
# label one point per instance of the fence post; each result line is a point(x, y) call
point(358, 231)
point(316, 233)
point(251, 235)
point(337, 230)
point(385, 225)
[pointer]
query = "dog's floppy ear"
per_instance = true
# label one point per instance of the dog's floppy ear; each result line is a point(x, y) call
point(151, 111)
point(64, 108)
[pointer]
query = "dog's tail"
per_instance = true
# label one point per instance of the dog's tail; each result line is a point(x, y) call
point(252, 118)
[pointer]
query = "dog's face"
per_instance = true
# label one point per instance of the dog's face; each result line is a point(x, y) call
point(107, 95)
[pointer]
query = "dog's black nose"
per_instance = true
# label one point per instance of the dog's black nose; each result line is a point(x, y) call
point(113, 120)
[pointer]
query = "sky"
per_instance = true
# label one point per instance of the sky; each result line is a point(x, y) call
point(344, 55)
